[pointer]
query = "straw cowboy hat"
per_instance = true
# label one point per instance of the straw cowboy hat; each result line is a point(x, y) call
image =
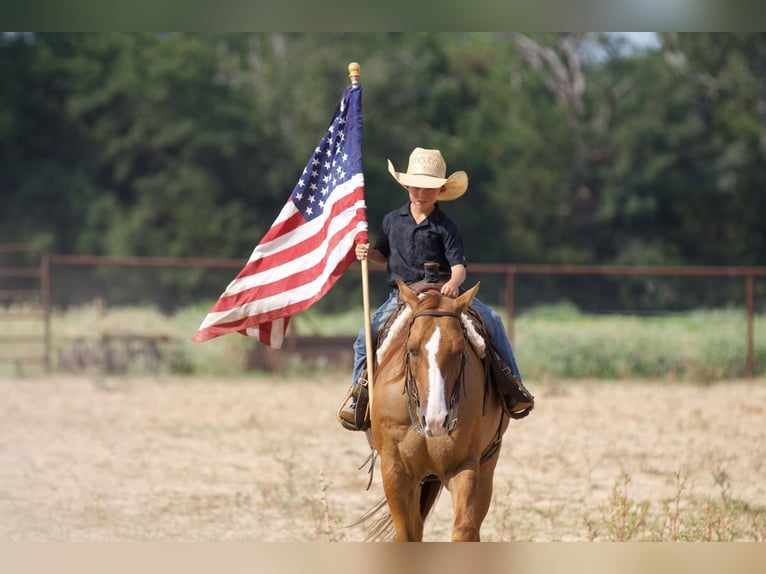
point(427, 168)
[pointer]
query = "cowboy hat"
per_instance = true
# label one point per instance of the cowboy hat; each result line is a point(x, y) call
point(427, 168)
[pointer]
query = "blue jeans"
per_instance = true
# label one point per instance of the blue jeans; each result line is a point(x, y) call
point(491, 319)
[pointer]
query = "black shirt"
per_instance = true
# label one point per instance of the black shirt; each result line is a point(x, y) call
point(408, 245)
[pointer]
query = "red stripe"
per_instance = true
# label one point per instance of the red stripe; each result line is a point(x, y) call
point(266, 330)
point(306, 246)
point(285, 227)
point(264, 318)
point(300, 277)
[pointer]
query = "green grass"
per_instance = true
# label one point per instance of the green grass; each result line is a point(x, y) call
point(550, 342)
point(701, 345)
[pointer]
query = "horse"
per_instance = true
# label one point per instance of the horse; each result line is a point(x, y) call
point(435, 420)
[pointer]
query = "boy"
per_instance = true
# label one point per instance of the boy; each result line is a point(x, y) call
point(417, 233)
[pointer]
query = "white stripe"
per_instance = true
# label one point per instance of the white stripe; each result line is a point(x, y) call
point(305, 261)
point(287, 297)
point(437, 405)
point(277, 333)
point(310, 227)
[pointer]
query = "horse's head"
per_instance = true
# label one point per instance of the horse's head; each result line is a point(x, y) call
point(436, 350)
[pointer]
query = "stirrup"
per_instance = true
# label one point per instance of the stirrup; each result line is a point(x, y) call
point(354, 412)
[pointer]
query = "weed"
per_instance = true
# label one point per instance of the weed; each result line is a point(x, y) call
point(329, 524)
point(683, 518)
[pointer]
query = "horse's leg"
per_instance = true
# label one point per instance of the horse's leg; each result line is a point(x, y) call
point(484, 496)
point(464, 489)
point(403, 497)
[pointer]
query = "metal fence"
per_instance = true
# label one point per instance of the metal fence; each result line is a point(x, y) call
point(506, 277)
point(25, 305)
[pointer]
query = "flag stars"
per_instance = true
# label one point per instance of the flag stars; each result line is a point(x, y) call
point(309, 204)
point(330, 166)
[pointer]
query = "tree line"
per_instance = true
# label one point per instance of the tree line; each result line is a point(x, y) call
point(580, 148)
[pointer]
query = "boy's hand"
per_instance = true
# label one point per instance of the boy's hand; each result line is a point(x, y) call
point(450, 289)
point(362, 250)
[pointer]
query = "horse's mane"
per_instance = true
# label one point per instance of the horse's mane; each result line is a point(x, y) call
point(427, 301)
point(397, 345)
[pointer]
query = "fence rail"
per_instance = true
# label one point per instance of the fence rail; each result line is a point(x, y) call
point(748, 273)
point(509, 271)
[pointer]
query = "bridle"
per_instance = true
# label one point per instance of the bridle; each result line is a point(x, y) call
point(411, 387)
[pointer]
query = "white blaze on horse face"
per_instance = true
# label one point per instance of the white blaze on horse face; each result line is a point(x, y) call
point(436, 411)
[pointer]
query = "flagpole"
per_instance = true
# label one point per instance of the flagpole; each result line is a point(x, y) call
point(354, 75)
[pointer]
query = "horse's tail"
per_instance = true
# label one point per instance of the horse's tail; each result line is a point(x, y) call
point(382, 527)
point(429, 494)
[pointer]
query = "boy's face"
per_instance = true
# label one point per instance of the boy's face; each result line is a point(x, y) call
point(423, 197)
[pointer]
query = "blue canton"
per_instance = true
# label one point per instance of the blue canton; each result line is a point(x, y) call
point(334, 162)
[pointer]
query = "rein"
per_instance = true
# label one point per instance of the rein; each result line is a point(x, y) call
point(411, 387)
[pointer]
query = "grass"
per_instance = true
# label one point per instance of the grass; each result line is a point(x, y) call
point(702, 345)
point(680, 517)
point(550, 342)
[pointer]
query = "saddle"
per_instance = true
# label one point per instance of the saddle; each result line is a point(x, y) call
point(517, 401)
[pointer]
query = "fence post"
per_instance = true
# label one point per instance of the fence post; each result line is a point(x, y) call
point(45, 279)
point(510, 304)
point(750, 360)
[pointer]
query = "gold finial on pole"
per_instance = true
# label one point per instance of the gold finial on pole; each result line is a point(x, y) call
point(353, 72)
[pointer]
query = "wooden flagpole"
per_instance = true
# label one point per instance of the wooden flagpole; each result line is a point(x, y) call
point(354, 76)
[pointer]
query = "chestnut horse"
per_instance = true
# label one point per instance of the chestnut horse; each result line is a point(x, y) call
point(435, 423)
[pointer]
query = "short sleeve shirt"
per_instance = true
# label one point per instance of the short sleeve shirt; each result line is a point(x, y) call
point(408, 245)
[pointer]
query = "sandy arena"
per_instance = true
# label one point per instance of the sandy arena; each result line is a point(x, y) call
point(263, 459)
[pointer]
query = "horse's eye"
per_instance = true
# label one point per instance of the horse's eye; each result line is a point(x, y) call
point(413, 352)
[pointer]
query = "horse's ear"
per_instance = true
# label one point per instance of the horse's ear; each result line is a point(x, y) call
point(409, 296)
point(465, 299)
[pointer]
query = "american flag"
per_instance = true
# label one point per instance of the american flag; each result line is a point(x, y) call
point(310, 244)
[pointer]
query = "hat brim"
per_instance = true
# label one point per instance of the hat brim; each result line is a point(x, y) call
point(454, 186)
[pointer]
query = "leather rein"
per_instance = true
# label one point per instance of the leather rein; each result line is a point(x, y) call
point(413, 396)
point(411, 387)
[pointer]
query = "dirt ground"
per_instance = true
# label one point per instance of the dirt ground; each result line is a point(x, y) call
point(263, 459)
